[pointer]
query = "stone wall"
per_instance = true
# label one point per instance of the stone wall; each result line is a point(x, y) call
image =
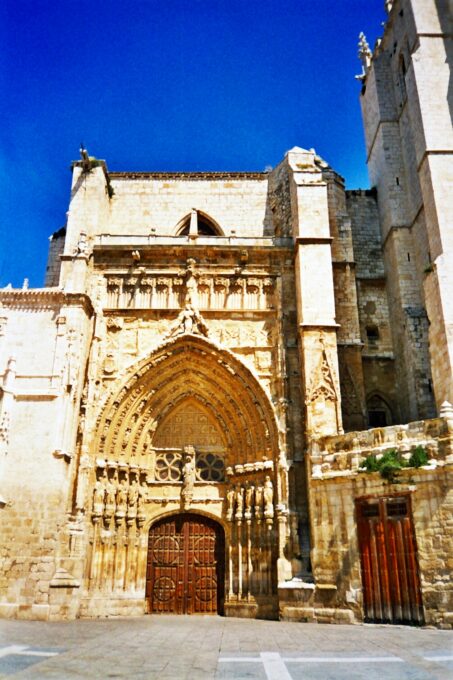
point(143, 205)
point(407, 113)
point(336, 481)
point(43, 352)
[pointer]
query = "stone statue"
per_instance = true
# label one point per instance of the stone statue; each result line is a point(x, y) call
point(268, 494)
point(230, 503)
point(239, 497)
point(142, 498)
point(258, 502)
point(81, 248)
point(110, 498)
point(188, 319)
point(188, 476)
point(132, 497)
point(121, 500)
point(248, 500)
point(99, 495)
point(191, 284)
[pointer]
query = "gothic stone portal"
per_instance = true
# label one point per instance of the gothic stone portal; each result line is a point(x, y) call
point(185, 571)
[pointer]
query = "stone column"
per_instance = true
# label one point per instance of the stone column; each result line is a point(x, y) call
point(315, 294)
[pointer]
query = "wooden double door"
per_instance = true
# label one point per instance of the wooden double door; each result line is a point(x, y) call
point(185, 571)
point(391, 583)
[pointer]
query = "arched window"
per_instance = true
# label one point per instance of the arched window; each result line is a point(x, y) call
point(196, 224)
point(379, 412)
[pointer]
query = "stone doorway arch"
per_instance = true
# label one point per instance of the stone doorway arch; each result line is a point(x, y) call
point(189, 397)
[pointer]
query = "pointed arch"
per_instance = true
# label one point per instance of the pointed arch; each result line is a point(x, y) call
point(206, 225)
point(379, 410)
point(188, 369)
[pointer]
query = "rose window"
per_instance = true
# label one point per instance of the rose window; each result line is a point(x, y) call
point(168, 467)
point(209, 468)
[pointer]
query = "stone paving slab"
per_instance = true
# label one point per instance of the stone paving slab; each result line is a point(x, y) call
point(215, 648)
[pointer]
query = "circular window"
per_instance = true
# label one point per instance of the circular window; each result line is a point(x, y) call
point(210, 468)
point(168, 467)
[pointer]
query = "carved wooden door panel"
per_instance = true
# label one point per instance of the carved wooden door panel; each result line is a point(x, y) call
point(391, 584)
point(185, 566)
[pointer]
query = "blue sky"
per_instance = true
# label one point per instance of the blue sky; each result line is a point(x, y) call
point(168, 85)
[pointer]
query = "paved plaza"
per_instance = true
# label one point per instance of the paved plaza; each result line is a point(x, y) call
point(211, 647)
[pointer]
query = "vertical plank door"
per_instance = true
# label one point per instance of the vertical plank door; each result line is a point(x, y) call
point(185, 570)
point(391, 583)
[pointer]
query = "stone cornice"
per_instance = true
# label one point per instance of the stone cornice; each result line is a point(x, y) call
point(190, 175)
point(44, 298)
point(312, 240)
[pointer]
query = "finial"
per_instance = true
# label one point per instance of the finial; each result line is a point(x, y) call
point(446, 410)
point(364, 54)
point(86, 163)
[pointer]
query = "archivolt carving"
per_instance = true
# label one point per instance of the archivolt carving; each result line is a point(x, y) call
point(189, 367)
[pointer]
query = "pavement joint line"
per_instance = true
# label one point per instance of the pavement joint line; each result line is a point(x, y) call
point(322, 659)
point(345, 659)
point(30, 653)
point(22, 650)
point(12, 649)
point(434, 657)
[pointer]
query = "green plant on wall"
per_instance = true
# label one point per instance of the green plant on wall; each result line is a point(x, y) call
point(418, 457)
point(392, 462)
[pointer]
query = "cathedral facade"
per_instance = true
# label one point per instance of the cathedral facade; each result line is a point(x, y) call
point(233, 393)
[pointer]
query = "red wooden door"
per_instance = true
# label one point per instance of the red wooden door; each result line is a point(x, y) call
point(391, 584)
point(185, 566)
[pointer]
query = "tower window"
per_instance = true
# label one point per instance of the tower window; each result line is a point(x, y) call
point(372, 334)
point(402, 77)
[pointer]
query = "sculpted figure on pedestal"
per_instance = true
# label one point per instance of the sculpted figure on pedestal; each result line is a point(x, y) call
point(239, 497)
point(132, 498)
point(99, 495)
point(258, 502)
point(121, 499)
point(268, 497)
point(142, 498)
point(188, 476)
point(110, 499)
point(248, 500)
point(230, 503)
